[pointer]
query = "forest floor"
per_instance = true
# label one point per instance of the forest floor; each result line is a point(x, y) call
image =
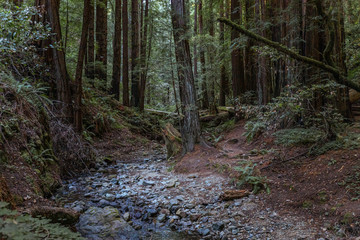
point(310, 197)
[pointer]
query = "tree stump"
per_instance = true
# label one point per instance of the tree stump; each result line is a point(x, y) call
point(172, 139)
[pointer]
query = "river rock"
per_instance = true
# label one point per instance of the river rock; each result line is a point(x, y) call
point(161, 217)
point(218, 226)
point(126, 216)
point(105, 223)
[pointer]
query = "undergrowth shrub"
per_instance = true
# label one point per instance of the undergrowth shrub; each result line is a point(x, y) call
point(298, 136)
point(248, 174)
point(24, 227)
point(295, 118)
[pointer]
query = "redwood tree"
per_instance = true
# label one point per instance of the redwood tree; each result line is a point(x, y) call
point(237, 60)
point(115, 83)
point(125, 66)
point(101, 37)
point(135, 53)
point(79, 67)
point(143, 53)
point(204, 91)
point(190, 126)
point(55, 57)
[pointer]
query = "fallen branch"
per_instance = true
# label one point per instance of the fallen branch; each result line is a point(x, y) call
point(233, 194)
point(339, 76)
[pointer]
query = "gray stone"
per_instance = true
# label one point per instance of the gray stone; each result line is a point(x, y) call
point(174, 202)
point(152, 212)
point(161, 217)
point(171, 184)
point(105, 223)
point(110, 197)
point(126, 216)
point(149, 183)
point(203, 231)
point(218, 226)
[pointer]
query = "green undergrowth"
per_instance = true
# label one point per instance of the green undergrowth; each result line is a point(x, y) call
point(298, 136)
point(216, 133)
point(248, 174)
point(103, 114)
point(352, 183)
point(24, 227)
point(25, 134)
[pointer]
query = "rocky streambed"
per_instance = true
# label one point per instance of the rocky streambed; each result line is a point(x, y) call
point(145, 200)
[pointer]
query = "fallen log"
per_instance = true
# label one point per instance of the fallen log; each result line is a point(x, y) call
point(354, 96)
point(161, 113)
point(64, 216)
point(228, 195)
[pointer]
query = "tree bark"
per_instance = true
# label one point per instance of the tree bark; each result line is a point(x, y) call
point(55, 57)
point(223, 77)
point(204, 91)
point(135, 37)
point(125, 22)
point(143, 57)
point(89, 69)
point(79, 68)
point(190, 127)
point(101, 38)
point(115, 83)
point(211, 57)
point(237, 60)
point(195, 45)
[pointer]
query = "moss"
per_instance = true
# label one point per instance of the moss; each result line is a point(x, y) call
point(348, 218)
point(3, 157)
point(307, 204)
point(49, 183)
point(17, 199)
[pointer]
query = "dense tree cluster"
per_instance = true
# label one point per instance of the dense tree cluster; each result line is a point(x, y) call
point(135, 50)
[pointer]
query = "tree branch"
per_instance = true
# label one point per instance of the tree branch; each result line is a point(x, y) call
point(339, 76)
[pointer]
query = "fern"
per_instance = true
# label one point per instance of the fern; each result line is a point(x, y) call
point(24, 227)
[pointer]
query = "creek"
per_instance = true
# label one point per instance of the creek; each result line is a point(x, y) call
point(145, 200)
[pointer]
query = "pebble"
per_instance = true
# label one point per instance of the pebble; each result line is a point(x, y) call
point(150, 196)
point(126, 216)
point(161, 217)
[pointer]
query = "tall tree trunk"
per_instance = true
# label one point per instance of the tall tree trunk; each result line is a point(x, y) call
point(223, 77)
point(264, 86)
point(190, 127)
point(135, 37)
point(250, 79)
point(211, 58)
point(90, 67)
point(143, 57)
point(79, 68)
point(66, 28)
point(195, 45)
point(101, 38)
point(115, 83)
point(237, 61)
point(125, 22)
point(204, 91)
point(55, 57)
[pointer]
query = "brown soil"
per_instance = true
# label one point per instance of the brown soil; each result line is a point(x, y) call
point(311, 187)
